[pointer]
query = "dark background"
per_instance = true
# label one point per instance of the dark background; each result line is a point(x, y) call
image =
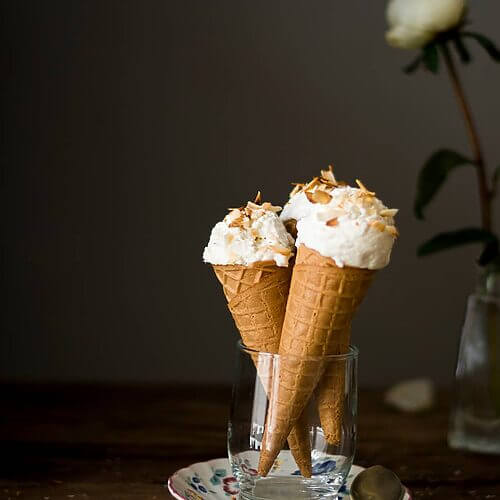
point(129, 127)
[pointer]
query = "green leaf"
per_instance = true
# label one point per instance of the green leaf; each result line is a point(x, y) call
point(453, 239)
point(486, 43)
point(431, 57)
point(413, 66)
point(462, 50)
point(433, 175)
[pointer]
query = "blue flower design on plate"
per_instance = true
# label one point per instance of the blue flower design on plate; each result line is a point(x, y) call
point(196, 484)
point(320, 467)
point(218, 475)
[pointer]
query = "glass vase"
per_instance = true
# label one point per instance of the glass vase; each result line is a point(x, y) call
point(475, 415)
point(257, 376)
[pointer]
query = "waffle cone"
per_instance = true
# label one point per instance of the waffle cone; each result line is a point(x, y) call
point(330, 394)
point(322, 301)
point(257, 297)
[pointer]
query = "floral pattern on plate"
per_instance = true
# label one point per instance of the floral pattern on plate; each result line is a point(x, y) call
point(213, 480)
point(321, 467)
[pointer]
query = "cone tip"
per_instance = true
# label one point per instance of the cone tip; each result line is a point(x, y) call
point(266, 461)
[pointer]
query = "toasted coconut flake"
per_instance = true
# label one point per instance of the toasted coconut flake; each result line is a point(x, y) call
point(321, 197)
point(363, 188)
point(328, 175)
point(234, 214)
point(237, 223)
point(236, 218)
point(270, 208)
point(281, 250)
point(311, 184)
point(258, 198)
point(295, 190)
point(324, 182)
point(389, 212)
point(392, 230)
point(379, 226)
point(367, 196)
point(309, 196)
point(332, 222)
point(253, 206)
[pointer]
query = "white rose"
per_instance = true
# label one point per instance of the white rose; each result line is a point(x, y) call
point(414, 23)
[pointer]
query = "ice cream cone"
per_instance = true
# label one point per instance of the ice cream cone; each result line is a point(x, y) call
point(330, 394)
point(257, 297)
point(322, 301)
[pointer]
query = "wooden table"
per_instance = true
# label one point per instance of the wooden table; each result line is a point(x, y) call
point(81, 442)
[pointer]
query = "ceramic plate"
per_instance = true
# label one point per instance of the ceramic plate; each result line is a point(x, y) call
point(213, 480)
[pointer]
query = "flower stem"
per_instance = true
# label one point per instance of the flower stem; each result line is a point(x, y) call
point(485, 195)
point(485, 198)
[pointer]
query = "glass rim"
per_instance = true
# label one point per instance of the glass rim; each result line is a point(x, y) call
point(352, 353)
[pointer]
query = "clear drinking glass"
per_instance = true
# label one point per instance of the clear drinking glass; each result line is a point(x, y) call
point(257, 374)
point(475, 415)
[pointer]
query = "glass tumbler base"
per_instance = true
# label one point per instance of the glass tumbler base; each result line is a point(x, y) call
point(277, 488)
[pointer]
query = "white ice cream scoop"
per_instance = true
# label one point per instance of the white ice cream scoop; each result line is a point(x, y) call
point(349, 225)
point(250, 234)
